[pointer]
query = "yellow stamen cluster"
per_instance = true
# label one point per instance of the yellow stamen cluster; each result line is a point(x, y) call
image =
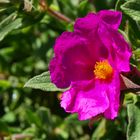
point(103, 70)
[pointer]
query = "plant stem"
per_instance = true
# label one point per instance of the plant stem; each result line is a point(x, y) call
point(1, 138)
point(56, 14)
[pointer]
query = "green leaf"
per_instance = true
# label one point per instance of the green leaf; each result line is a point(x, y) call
point(5, 83)
point(42, 82)
point(132, 9)
point(83, 4)
point(9, 117)
point(100, 130)
point(33, 118)
point(118, 4)
point(83, 7)
point(8, 24)
point(35, 3)
point(73, 119)
point(44, 114)
point(45, 118)
point(30, 130)
point(133, 121)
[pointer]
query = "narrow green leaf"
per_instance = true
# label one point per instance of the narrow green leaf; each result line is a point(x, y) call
point(83, 4)
point(33, 118)
point(42, 82)
point(8, 24)
point(73, 119)
point(7, 20)
point(44, 114)
point(133, 121)
point(132, 9)
point(99, 131)
point(118, 4)
point(45, 118)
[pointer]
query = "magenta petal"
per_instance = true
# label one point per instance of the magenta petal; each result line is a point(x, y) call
point(113, 93)
point(87, 102)
point(112, 18)
point(87, 23)
point(95, 38)
point(58, 74)
point(119, 49)
point(122, 50)
point(72, 61)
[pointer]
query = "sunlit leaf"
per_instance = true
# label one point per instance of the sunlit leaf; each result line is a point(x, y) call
point(100, 130)
point(133, 121)
point(42, 82)
point(5, 83)
point(9, 117)
point(132, 9)
point(9, 24)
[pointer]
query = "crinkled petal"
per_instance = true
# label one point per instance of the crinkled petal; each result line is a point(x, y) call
point(119, 49)
point(87, 102)
point(122, 50)
point(72, 60)
point(112, 18)
point(87, 27)
point(113, 93)
point(89, 98)
point(86, 24)
point(58, 74)
point(95, 38)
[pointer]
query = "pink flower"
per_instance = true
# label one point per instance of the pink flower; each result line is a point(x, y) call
point(89, 61)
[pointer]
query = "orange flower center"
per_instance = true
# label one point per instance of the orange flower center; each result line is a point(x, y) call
point(103, 70)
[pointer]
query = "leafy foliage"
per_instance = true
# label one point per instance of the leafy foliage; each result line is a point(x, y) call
point(28, 30)
point(131, 8)
point(42, 82)
point(134, 121)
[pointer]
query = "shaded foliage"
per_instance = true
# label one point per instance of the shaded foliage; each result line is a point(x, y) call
point(27, 33)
